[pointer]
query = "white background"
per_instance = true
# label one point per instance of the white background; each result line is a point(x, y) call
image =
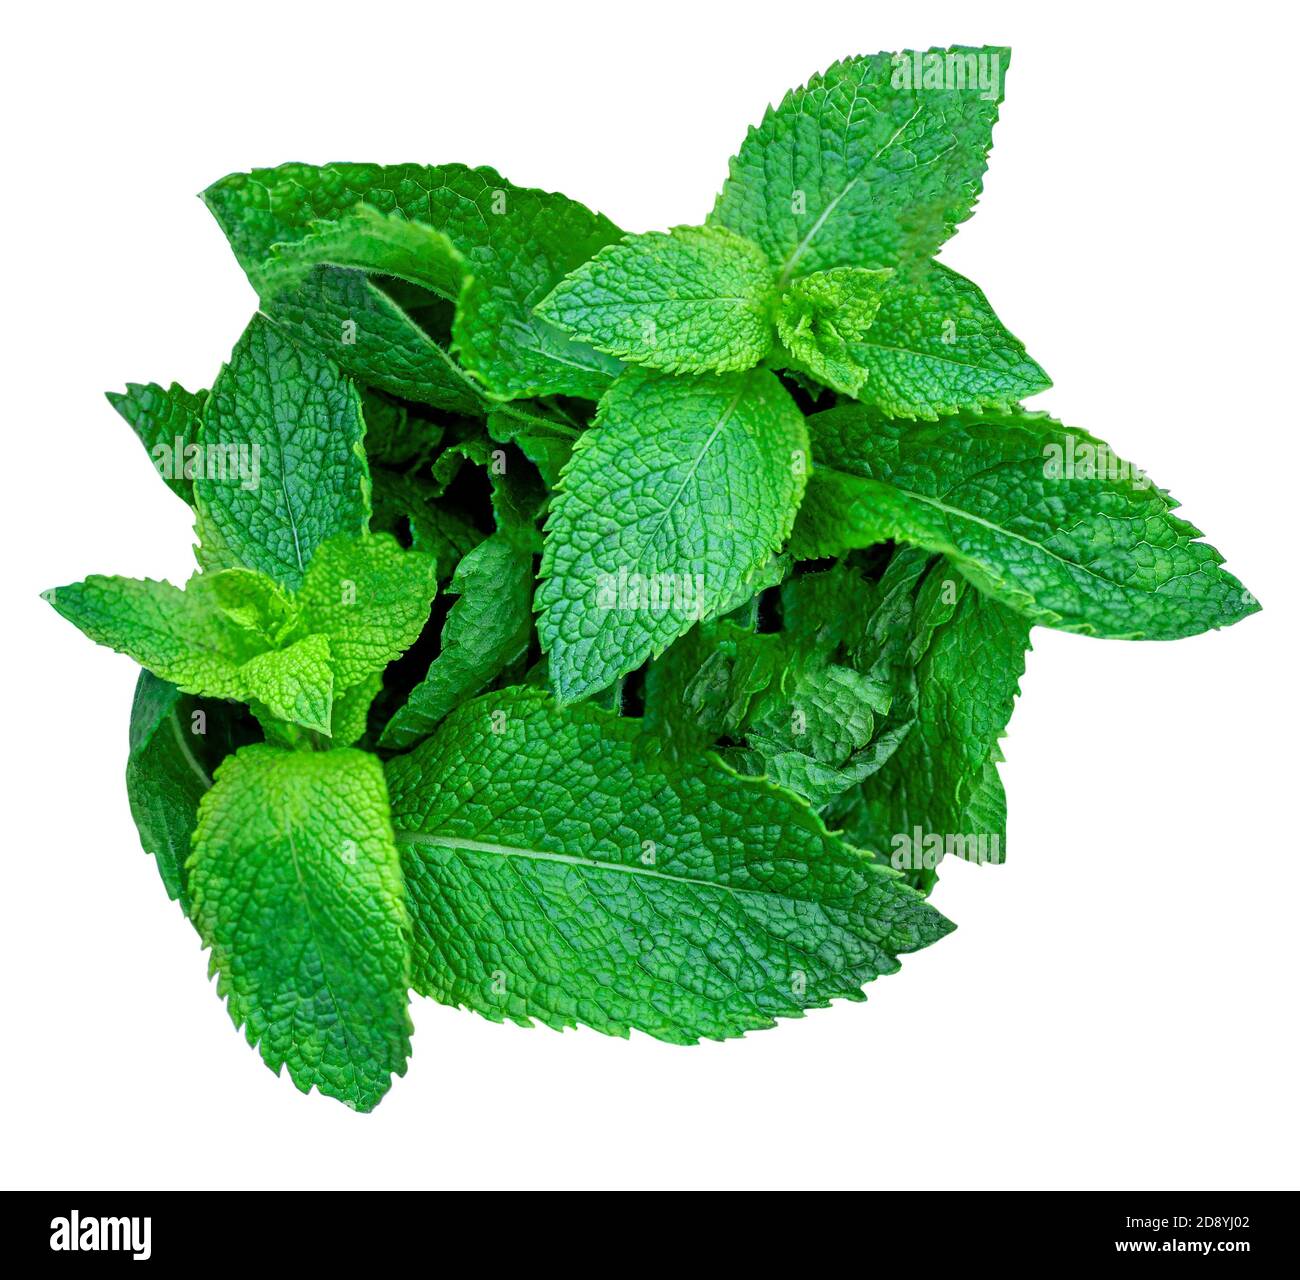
point(1118, 1006)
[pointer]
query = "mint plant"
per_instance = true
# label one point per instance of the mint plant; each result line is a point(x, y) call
point(605, 629)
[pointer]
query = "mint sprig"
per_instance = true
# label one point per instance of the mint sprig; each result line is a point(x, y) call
point(602, 629)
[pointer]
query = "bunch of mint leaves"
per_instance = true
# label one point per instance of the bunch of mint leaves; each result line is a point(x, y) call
point(608, 629)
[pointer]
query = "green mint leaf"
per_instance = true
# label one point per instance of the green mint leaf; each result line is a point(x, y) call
point(873, 163)
point(352, 710)
point(486, 629)
point(936, 346)
point(295, 683)
point(562, 871)
point(370, 598)
point(387, 244)
point(671, 504)
point(358, 324)
point(319, 289)
point(176, 743)
point(191, 639)
point(288, 425)
point(1070, 535)
point(167, 423)
point(519, 243)
point(297, 889)
point(807, 717)
point(310, 239)
point(724, 677)
point(693, 300)
point(940, 792)
point(545, 442)
point(825, 738)
point(701, 689)
point(822, 315)
point(250, 600)
point(518, 495)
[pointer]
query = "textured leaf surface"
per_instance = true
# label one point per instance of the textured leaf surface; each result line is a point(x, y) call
point(941, 791)
point(320, 288)
point(703, 686)
point(821, 742)
point(936, 346)
point(486, 629)
point(370, 598)
point(298, 890)
point(795, 700)
point(823, 315)
point(193, 640)
point(176, 743)
point(692, 300)
point(1038, 515)
point(346, 316)
point(671, 503)
point(851, 170)
point(518, 243)
point(560, 870)
point(167, 422)
point(352, 710)
point(389, 244)
point(304, 419)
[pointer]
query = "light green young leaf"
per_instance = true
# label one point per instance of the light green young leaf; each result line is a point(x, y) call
point(250, 600)
point(297, 889)
point(352, 710)
point(1070, 536)
point(370, 598)
point(289, 424)
point(672, 502)
point(295, 683)
point(191, 639)
point(693, 300)
point(869, 164)
point(936, 346)
point(487, 629)
point(823, 315)
point(167, 422)
point(561, 870)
